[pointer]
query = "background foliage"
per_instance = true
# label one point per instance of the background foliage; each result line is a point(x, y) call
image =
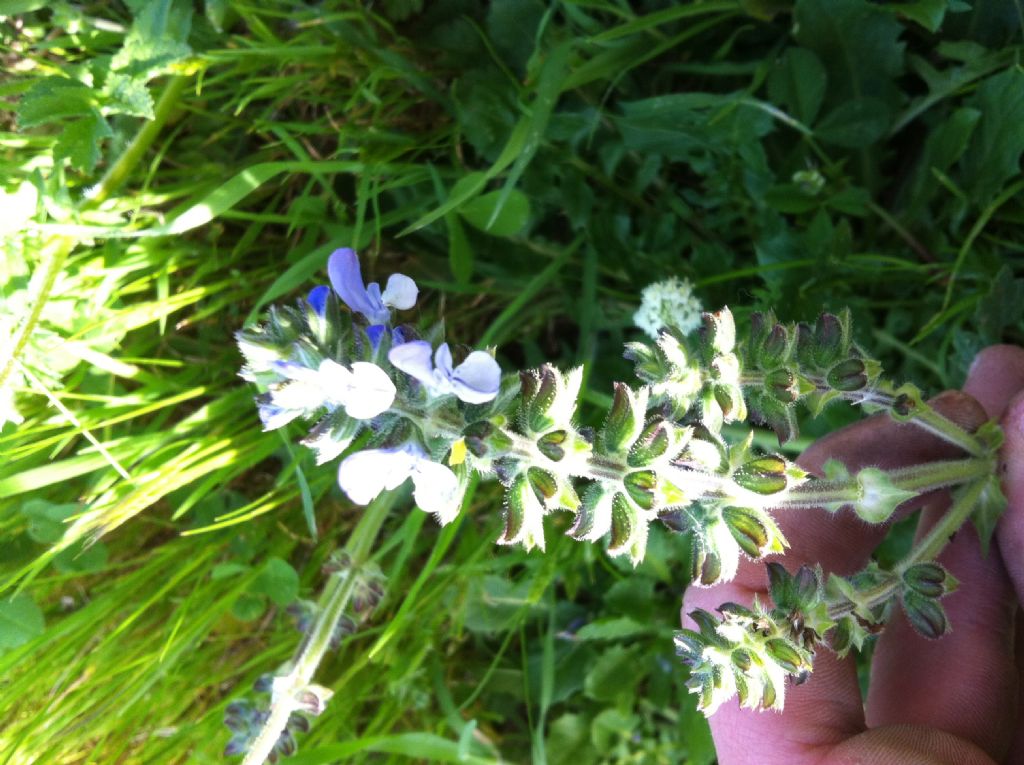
point(169, 169)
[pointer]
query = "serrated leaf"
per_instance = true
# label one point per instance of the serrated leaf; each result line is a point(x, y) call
point(928, 13)
point(127, 95)
point(20, 621)
point(80, 142)
point(53, 99)
point(156, 40)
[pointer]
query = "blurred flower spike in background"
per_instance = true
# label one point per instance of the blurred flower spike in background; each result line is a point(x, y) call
point(668, 303)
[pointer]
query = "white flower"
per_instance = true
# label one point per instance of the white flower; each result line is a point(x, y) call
point(365, 391)
point(475, 381)
point(668, 303)
point(366, 474)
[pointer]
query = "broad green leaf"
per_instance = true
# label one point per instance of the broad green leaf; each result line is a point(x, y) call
point(127, 95)
point(509, 219)
point(52, 99)
point(615, 674)
point(856, 124)
point(928, 13)
point(858, 44)
point(80, 142)
point(797, 81)
point(20, 620)
point(994, 154)
point(156, 40)
point(278, 581)
point(46, 520)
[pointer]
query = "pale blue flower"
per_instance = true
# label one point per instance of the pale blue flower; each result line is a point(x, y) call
point(366, 474)
point(475, 381)
point(347, 280)
point(365, 391)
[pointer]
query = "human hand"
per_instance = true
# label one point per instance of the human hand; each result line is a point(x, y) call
point(958, 700)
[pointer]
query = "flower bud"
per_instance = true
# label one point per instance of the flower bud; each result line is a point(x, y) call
point(538, 390)
point(928, 579)
point(719, 332)
point(641, 485)
point(848, 376)
point(764, 475)
point(785, 655)
point(476, 436)
point(625, 418)
point(741, 659)
point(551, 445)
point(544, 484)
point(689, 646)
point(747, 529)
point(629, 530)
point(649, 367)
point(775, 348)
point(782, 384)
point(652, 443)
point(829, 337)
point(925, 614)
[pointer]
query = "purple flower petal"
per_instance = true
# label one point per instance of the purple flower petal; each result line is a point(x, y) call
point(414, 359)
point(477, 379)
point(347, 280)
point(375, 332)
point(317, 298)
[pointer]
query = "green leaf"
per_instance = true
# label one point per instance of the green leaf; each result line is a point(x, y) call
point(995, 151)
point(460, 252)
point(797, 81)
point(53, 99)
point(127, 95)
point(248, 607)
point(855, 124)
point(613, 628)
point(46, 520)
point(20, 621)
point(615, 674)
point(858, 44)
point(278, 581)
point(991, 505)
point(508, 219)
point(80, 142)
point(156, 40)
point(81, 558)
point(928, 13)
point(1002, 307)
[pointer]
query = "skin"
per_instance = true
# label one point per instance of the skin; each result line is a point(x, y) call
point(958, 700)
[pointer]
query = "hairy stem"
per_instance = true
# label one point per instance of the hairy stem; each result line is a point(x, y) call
point(919, 479)
point(926, 550)
point(331, 609)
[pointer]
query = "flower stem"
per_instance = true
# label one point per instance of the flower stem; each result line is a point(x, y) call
point(916, 478)
point(927, 549)
point(334, 600)
point(929, 419)
point(118, 172)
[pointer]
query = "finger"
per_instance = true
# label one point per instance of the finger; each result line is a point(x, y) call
point(907, 745)
point(841, 541)
point(1010, 537)
point(828, 708)
point(965, 683)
